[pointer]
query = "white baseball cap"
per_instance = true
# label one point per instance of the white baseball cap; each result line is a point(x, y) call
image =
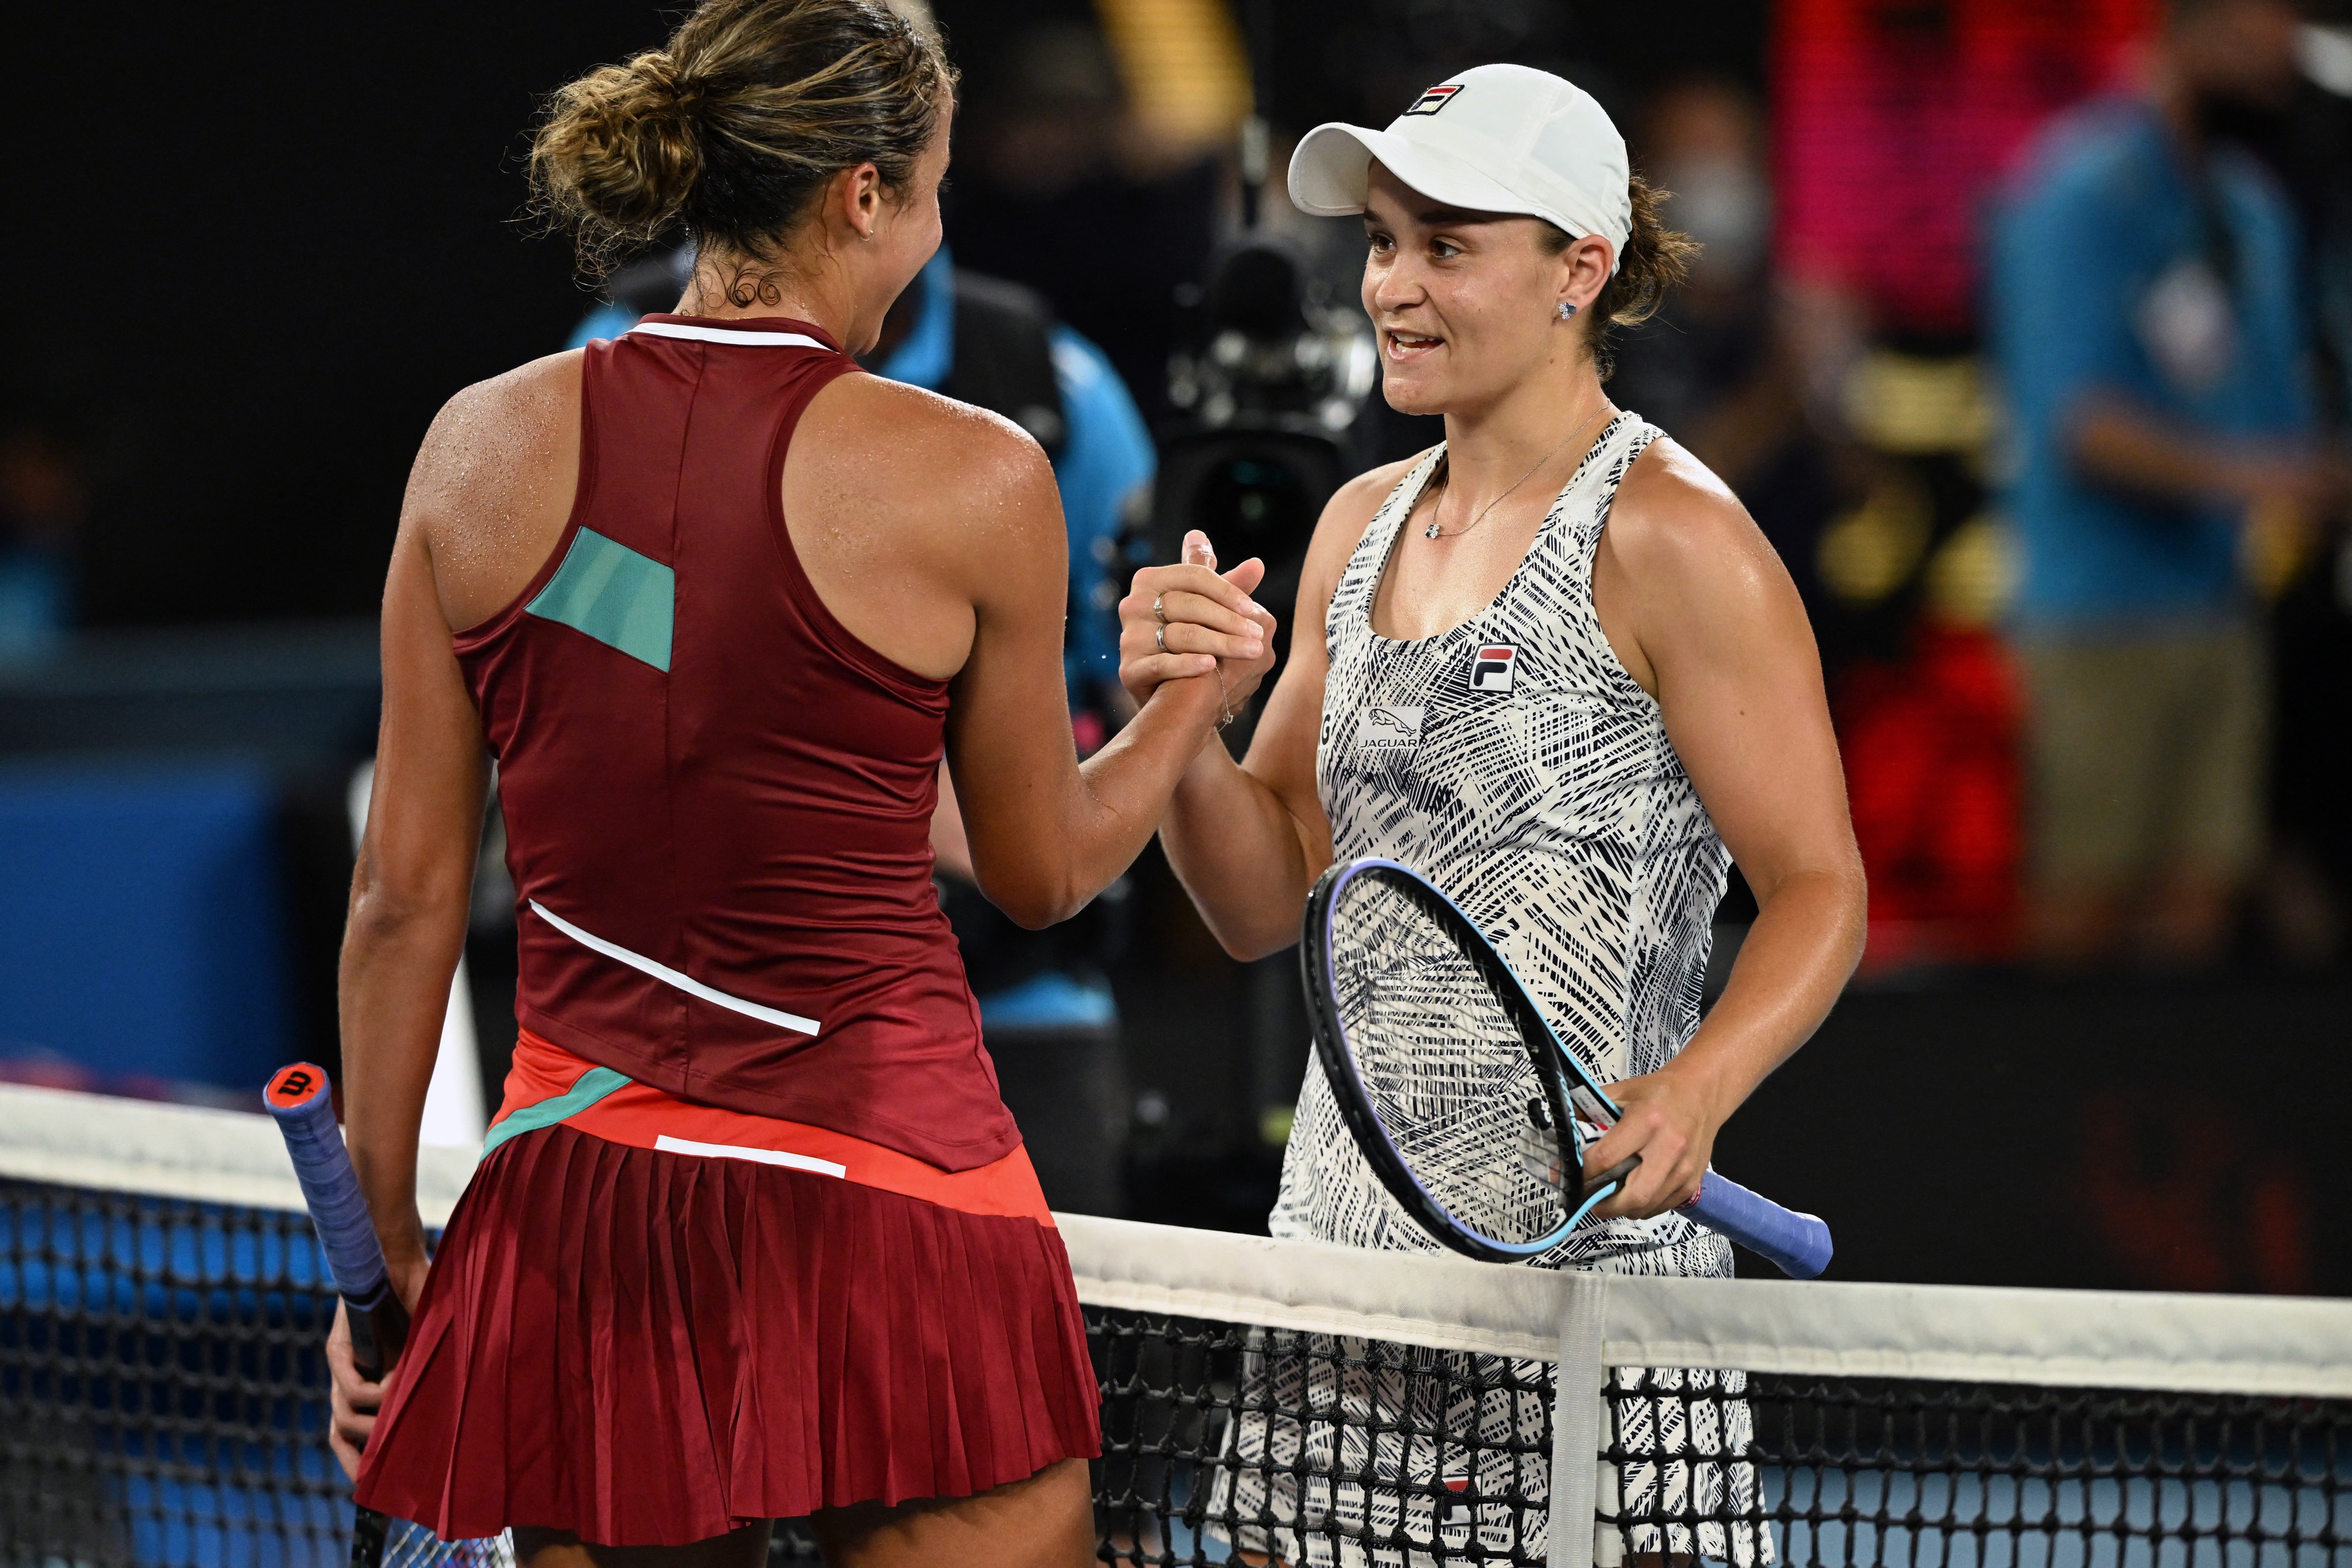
point(1497, 139)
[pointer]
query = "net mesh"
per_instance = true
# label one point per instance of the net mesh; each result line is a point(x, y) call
point(1879, 1470)
point(1310, 1447)
point(163, 1400)
point(163, 1384)
point(164, 1389)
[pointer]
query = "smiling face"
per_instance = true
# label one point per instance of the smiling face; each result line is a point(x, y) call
point(1465, 305)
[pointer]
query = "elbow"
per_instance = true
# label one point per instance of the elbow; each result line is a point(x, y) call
point(1248, 942)
point(1851, 893)
point(1033, 902)
point(1034, 914)
point(1256, 945)
point(386, 909)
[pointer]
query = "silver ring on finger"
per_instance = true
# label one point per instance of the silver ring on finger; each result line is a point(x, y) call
point(1160, 611)
point(1159, 636)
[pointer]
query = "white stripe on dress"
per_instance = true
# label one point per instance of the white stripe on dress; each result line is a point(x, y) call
point(668, 976)
point(669, 1145)
point(729, 335)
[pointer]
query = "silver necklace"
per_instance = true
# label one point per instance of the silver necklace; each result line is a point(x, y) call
point(1433, 532)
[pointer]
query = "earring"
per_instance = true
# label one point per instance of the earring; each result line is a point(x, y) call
point(1567, 310)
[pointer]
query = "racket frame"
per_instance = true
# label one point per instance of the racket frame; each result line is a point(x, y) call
point(1568, 1086)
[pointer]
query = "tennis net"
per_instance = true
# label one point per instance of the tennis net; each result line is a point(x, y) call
point(163, 1394)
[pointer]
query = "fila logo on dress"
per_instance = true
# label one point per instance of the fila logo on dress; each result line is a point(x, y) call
point(1493, 668)
point(1435, 99)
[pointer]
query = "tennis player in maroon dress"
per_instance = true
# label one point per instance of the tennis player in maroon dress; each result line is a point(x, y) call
point(753, 1234)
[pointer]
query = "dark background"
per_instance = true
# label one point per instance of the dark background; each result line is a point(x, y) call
point(251, 251)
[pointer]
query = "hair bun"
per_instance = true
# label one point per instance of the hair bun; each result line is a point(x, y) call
point(664, 77)
point(619, 146)
point(734, 127)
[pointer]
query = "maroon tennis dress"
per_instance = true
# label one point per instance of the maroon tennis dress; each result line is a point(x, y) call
point(753, 1234)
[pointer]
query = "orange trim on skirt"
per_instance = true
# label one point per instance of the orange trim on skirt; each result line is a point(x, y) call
point(643, 1117)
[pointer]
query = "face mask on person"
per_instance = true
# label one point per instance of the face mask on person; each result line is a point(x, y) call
point(1724, 203)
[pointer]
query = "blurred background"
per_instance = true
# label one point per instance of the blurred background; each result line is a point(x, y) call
point(2022, 328)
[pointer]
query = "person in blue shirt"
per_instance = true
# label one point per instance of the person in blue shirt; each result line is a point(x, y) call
point(2148, 326)
point(1040, 993)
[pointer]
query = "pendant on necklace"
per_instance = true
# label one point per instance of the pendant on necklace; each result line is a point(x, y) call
point(1431, 531)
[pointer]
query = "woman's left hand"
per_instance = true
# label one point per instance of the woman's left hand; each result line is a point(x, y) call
point(1670, 1121)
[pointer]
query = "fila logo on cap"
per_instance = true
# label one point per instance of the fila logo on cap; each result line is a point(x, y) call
point(1493, 668)
point(1435, 99)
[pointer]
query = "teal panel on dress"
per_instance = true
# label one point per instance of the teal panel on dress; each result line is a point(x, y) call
point(592, 1085)
point(619, 597)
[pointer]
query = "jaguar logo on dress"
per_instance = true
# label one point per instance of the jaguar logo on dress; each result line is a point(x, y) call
point(1493, 668)
point(1385, 727)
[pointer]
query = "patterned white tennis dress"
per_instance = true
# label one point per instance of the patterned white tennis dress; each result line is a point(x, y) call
point(1515, 763)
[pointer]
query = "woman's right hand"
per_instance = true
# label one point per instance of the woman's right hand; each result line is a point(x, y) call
point(1188, 620)
point(354, 1402)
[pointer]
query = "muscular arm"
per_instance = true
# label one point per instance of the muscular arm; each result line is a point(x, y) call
point(1704, 617)
point(1045, 834)
point(1247, 839)
point(933, 532)
point(406, 923)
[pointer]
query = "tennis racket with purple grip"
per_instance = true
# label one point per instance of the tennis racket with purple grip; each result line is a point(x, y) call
point(302, 1100)
point(1463, 1100)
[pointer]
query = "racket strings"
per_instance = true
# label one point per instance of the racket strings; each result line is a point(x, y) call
point(1443, 1065)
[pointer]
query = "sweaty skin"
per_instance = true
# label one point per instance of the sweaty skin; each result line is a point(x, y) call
point(1694, 602)
point(933, 532)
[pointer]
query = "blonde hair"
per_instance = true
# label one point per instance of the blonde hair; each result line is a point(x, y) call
point(733, 126)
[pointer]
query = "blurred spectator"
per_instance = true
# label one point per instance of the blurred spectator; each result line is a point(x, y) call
point(1714, 368)
point(2146, 320)
point(1059, 184)
point(44, 503)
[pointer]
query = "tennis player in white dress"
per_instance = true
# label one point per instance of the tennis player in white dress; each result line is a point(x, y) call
point(1563, 676)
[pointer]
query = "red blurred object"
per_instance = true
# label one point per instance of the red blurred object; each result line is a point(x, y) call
point(1893, 117)
point(2185, 1197)
point(1931, 749)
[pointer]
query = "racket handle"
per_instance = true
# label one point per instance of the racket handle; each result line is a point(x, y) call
point(301, 1100)
point(1798, 1243)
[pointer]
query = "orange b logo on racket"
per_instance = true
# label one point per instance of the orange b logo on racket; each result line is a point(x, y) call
point(294, 1084)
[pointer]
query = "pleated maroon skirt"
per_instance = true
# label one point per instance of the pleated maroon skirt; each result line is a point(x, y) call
point(650, 1348)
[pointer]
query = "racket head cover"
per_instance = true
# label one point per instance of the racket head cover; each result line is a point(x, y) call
point(1454, 1086)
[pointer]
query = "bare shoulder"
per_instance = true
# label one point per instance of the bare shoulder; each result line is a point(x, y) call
point(1351, 509)
point(1349, 512)
point(502, 439)
point(1676, 527)
point(965, 476)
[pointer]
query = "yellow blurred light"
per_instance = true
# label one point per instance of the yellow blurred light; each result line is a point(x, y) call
point(1972, 576)
point(1871, 550)
point(1913, 405)
point(1183, 67)
point(2278, 538)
